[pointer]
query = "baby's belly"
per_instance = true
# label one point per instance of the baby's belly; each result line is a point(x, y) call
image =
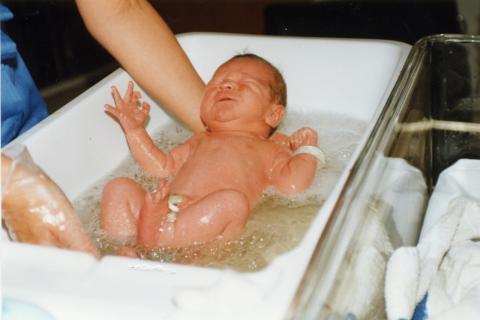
point(198, 178)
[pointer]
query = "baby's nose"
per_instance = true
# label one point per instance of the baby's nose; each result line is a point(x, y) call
point(227, 85)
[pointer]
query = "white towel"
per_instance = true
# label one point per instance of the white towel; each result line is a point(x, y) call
point(412, 271)
point(401, 283)
point(446, 261)
point(455, 290)
point(436, 242)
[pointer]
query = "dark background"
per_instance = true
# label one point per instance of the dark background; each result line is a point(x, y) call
point(64, 60)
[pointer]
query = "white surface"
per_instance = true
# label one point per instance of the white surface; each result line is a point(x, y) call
point(79, 144)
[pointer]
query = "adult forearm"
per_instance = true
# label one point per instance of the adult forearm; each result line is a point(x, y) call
point(134, 33)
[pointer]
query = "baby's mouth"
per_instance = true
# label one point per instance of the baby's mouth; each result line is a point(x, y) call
point(225, 98)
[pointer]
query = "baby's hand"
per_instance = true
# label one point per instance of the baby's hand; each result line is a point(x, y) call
point(128, 110)
point(153, 202)
point(303, 137)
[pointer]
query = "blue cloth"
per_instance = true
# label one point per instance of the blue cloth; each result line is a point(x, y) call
point(13, 309)
point(21, 103)
point(421, 309)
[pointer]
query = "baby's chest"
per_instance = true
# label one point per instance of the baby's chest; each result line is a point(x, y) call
point(238, 155)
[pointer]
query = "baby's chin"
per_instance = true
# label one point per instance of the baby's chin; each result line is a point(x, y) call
point(224, 113)
point(214, 123)
point(224, 117)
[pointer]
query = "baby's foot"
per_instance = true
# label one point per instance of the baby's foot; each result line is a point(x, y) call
point(127, 252)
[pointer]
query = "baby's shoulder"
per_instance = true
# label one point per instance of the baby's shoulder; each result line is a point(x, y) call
point(280, 138)
point(196, 138)
point(277, 148)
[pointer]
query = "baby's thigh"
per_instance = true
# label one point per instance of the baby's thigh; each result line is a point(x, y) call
point(223, 212)
point(123, 194)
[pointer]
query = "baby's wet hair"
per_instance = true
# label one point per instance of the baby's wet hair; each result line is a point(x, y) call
point(280, 86)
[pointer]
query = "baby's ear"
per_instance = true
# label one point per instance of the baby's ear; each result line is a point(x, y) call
point(275, 115)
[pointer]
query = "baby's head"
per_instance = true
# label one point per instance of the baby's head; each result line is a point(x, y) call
point(246, 93)
point(279, 87)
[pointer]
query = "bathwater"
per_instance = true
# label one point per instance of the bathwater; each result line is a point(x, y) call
point(274, 227)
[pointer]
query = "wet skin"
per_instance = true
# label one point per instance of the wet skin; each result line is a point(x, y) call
point(37, 210)
point(220, 173)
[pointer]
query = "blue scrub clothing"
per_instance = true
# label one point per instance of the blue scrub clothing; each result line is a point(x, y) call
point(21, 103)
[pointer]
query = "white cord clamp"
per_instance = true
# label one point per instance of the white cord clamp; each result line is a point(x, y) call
point(174, 200)
point(171, 216)
point(312, 150)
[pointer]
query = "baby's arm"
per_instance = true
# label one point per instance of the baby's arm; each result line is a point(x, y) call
point(294, 173)
point(132, 116)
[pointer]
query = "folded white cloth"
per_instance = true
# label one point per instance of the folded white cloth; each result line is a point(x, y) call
point(362, 284)
point(454, 292)
point(403, 187)
point(401, 283)
point(448, 251)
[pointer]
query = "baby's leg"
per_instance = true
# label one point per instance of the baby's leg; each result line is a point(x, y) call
point(222, 213)
point(122, 200)
point(152, 217)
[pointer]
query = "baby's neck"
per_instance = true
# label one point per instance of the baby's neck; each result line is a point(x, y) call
point(240, 133)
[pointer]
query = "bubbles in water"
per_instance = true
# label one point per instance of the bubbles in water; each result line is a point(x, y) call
point(276, 225)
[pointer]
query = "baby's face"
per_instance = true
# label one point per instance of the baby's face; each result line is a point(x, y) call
point(240, 92)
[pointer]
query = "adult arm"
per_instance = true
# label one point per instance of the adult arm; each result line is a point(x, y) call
point(135, 34)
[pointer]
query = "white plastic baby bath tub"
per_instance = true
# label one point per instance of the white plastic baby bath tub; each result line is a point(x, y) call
point(79, 144)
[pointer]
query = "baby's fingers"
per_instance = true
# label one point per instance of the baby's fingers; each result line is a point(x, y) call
point(116, 97)
point(296, 139)
point(129, 94)
point(162, 188)
point(302, 137)
point(310, 137)
point(112, 110)
point(136, 97)
point(152, 200)
point(158, 197)
point(145, 108)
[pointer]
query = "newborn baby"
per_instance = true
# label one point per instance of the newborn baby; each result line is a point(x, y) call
point(210, 183)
